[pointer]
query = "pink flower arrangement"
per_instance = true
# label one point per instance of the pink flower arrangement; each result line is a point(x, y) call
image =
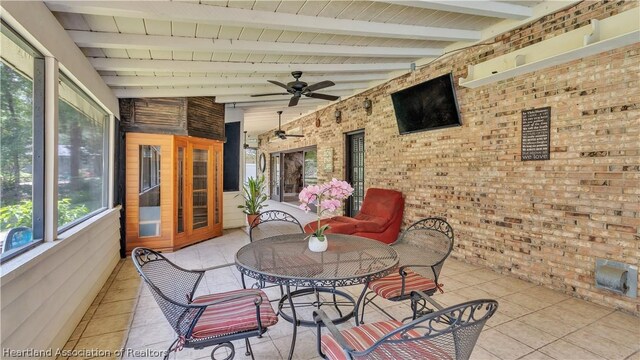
point(326, 197)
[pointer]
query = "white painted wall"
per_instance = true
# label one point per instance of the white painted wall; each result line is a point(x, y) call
point(233, 217)
point(44, 299)
point(45, 292)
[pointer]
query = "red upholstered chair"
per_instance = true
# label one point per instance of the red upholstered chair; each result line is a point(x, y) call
point(202, 321)
point(379, 218)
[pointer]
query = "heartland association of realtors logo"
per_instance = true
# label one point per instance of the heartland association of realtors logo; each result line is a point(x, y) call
point(85, 353)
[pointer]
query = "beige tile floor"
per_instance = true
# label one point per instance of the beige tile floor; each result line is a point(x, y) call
point(532, 322)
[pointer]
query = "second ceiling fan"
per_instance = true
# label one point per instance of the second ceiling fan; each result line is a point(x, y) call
point(281, 133)
point(299, 88)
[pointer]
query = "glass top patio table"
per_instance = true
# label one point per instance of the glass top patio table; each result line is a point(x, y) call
point(287, 260)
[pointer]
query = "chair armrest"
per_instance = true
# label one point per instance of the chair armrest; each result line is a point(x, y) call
point(216, 267)
point(401, 268)
point(419, 294)
point(319, 317)
point(248, 293)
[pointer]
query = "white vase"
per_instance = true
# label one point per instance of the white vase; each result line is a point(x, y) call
point(317, 245)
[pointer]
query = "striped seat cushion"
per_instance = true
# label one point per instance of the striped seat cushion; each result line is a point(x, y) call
point(233, 316)
point(363, 337)
point(390, 287)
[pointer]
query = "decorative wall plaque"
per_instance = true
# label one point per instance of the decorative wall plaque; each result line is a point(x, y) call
point(536, 134)
point(327, 159)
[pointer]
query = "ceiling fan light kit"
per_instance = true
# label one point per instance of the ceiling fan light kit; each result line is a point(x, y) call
point(299, 88)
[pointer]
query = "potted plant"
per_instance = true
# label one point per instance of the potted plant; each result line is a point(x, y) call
point(253, 193)
point(326, 197)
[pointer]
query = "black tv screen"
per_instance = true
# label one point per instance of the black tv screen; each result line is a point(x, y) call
point(427, 106)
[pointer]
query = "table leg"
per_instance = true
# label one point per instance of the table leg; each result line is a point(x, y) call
point(294, 322)
point(357, 309)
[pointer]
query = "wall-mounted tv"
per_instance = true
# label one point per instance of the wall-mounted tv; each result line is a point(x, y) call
point(427, 106)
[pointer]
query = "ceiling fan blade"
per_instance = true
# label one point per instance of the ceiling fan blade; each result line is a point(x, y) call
point(294, 100)
point(280, 84)
point(295, 135)
point(271, 94)
point(323, 96)
point(320, 85)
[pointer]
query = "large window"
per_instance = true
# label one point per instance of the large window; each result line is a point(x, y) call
point(82, 155)
point(82, 147)
point(21, 144)
point(250, 163)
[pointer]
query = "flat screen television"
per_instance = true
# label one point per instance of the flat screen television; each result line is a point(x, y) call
point(427, 106)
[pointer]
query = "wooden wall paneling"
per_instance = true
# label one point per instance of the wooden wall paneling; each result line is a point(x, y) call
point(194, 116)
point(155, 115)
point(205, 118)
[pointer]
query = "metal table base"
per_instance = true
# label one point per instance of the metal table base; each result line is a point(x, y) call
point(286, 260)
point(293, 319)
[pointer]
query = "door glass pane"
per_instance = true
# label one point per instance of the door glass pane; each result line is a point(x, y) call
point(16, 145)
point(180, 173)
point(310, 167)
point(149, 194)
point(356, 172)
point(293, 176)
point(275, 177)
point(200, 188)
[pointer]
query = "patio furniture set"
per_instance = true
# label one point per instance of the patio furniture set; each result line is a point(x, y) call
point(277, 255)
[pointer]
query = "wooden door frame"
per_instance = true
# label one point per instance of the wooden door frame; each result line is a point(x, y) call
point(181, 141)
point(210, 229)
point(132, 212)
point(271, 175)
point(281, 154)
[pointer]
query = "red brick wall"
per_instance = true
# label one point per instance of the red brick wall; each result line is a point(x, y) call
point(544, 221)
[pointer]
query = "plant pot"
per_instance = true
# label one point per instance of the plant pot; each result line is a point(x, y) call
point(251, 218)
point(317, 245)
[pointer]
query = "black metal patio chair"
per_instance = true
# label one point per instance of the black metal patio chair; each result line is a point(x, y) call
point(272, 223)
point(450, 334)
point(203, 321)
point(426, 243)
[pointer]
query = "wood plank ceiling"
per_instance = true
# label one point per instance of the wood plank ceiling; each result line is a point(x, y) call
point(229, 49)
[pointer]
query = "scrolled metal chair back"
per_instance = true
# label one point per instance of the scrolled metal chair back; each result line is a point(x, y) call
point(447, 334)
point(171, 286)
point(272, 223)
point(434, 234)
